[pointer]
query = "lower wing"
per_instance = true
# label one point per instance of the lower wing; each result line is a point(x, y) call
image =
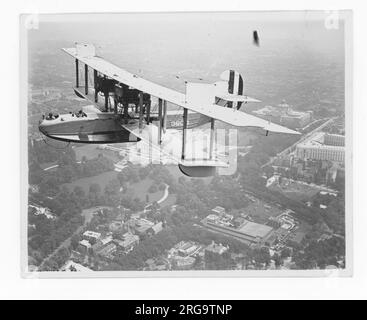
point(197, 153)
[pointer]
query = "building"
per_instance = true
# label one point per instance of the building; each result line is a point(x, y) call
point(157, 264)
point(73, 266)
point(185, 248)
point(239, 221)
point(285, 115)
point(216, 248)
point(107, 251)
point(42, 211)
point(141, 226)
point(116, 226)
point(249, 232)
point(183, 263)
point(84, 246)
point(322, 146)
point(182, 255)
point(219, 210)
point(158, 227)
point(91, 235)
point(127, 242)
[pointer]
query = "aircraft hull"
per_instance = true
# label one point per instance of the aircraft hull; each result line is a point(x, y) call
point(175, 121)
point(101, 128)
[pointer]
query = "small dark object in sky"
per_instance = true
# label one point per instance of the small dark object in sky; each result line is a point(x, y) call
point(256, 38)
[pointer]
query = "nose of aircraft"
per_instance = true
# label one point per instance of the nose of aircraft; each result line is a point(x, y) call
point(42, 126)
point(46, 123)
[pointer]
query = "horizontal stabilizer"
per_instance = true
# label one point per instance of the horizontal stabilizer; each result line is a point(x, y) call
point(237, 98)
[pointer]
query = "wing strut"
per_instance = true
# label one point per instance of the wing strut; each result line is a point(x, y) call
point(212, 137)
point(95, 76)
point(86, 78)
point(106, 97)
point(164, 116)
point(160, 102)
point(184, 127)
point(77, 73)
point(148, 111)
point(141, 110)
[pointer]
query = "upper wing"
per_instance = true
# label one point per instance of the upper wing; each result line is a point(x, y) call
point(128, 78)
point(230, 116)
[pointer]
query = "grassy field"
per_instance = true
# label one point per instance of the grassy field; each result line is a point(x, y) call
point(135, 190)
point(261, 211)
point(295, 190)
point(102, 179)
point(140, 190)
point(90, 151)
point(170, 201)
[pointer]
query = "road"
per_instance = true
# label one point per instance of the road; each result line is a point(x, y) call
point(88, 215)
point(55, 166)
point(52, 167)
point(165, 195)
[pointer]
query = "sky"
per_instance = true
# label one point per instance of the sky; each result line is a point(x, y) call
point(297, 51)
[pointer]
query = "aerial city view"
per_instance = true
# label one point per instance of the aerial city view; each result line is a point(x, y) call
point(99, 207)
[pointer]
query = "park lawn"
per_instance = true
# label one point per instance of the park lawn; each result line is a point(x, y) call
point(170, 201)
point(295, 190)
point(135, 190)
point(90, 151)
point(140, 190)
point(261, 211)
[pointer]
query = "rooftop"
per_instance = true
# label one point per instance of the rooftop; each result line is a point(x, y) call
point(216, 248)
point(73, 266)
point(157, 227)
point(317, 140)
point(254, 229)
point(219, 210)
point(85, 243)
point(91, 234)
point(127, 240)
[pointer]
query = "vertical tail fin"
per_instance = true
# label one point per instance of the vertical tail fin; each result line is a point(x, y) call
point(235, 86)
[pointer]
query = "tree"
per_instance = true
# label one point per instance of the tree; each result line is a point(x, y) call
point(74, 242)
point(286, 252)
point(277, 260)
point(153, 188)
point(79, 192)
point(95, 188)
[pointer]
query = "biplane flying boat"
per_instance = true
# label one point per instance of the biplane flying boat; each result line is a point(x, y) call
point(121, 110)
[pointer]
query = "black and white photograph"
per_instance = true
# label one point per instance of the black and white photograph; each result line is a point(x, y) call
point(186, 144)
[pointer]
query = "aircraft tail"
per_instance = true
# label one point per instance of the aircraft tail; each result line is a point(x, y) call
point(235, 82)
point(235, 87)
point(228, 92)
